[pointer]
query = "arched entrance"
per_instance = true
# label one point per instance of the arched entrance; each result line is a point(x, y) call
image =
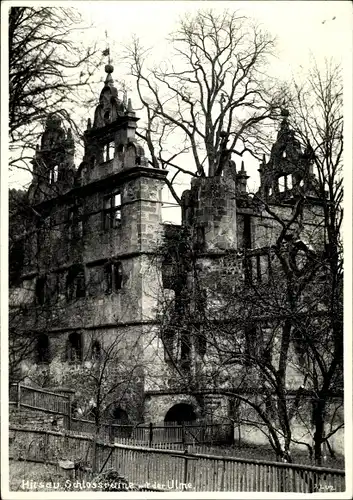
point(179, 413)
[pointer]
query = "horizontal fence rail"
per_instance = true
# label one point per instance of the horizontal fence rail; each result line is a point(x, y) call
point(173, 470)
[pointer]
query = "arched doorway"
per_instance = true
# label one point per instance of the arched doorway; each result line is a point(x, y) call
point(122, 427)
point(179, 413)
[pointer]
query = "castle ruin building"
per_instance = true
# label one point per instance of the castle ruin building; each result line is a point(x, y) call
point(92, 258)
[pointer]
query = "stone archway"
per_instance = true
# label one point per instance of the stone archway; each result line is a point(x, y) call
point(181, 412)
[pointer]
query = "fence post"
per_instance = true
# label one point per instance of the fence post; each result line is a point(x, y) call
point(18, 396)
point(150, 439)
point(69, 419)
point(186, 466)
point(183, 433)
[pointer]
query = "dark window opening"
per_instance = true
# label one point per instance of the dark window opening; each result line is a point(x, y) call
point(96, 350)
point(106, 117)
point(43, 351)
point(247, 231)
point(74, 347)
point(41, 289)
point(250, 344)
point(258, 268)
point(75, 223)
point(112, 211)
point(185, 351)
point(201, 344)
point(200, 238)
point(168, 343)
point(248, 275)
point(75, 282)
point(113, 277)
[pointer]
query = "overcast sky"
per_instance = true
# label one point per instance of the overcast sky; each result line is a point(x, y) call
point(304, 29)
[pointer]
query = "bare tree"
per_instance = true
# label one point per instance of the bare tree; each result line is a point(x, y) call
point(49, 71)
point(317, 118)
point(213, 91)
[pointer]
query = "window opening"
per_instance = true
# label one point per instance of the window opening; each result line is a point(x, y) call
point(113, 277)
point(74, 347)
point(75, 283)
point(289, 181)
point(112, 211)
point(53, 175)
point(96, 350)
point(43, 353)
point(247, 231)
point(41, 286)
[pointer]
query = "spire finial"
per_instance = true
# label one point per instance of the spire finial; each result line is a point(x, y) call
point(242, 166)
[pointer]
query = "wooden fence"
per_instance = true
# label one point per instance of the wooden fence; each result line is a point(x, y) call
point(33, 398)
point(185, 433)
point(173, 470)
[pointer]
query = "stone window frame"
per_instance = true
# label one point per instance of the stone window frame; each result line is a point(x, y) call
point(41, 290)
point(54, 174)
point(75, 222)
point(75, 282)
point(43, 349)
point(112, 210)
point(74, 350)
point(113, 274)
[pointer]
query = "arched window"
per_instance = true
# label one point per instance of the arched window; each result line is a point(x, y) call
point(74, 347)
point(43, 351)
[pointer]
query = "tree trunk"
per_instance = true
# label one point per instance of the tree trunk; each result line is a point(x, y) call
point(319, 422)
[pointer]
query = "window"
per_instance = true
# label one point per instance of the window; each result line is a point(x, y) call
point(41, 289)
point(75, 282)
point(247, 232)
point(113, 277)
point(74, 347)
point(248, 270)
point(75, 224)
point(200, 238)
point(53, 174)
point(112, 211)
point(110, 151)
point(289, 182)
point(258, 268)
point(250, 343)
point(168, 337)
point(43, 352)
point(96, 350)
point(281, 184)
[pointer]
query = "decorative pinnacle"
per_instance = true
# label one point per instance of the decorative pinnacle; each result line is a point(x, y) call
point(242, 169)
point(109, 68)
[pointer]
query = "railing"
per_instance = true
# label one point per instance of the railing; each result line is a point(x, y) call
point(173, 470)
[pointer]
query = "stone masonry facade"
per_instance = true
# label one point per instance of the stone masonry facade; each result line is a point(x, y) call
point(93, 271)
